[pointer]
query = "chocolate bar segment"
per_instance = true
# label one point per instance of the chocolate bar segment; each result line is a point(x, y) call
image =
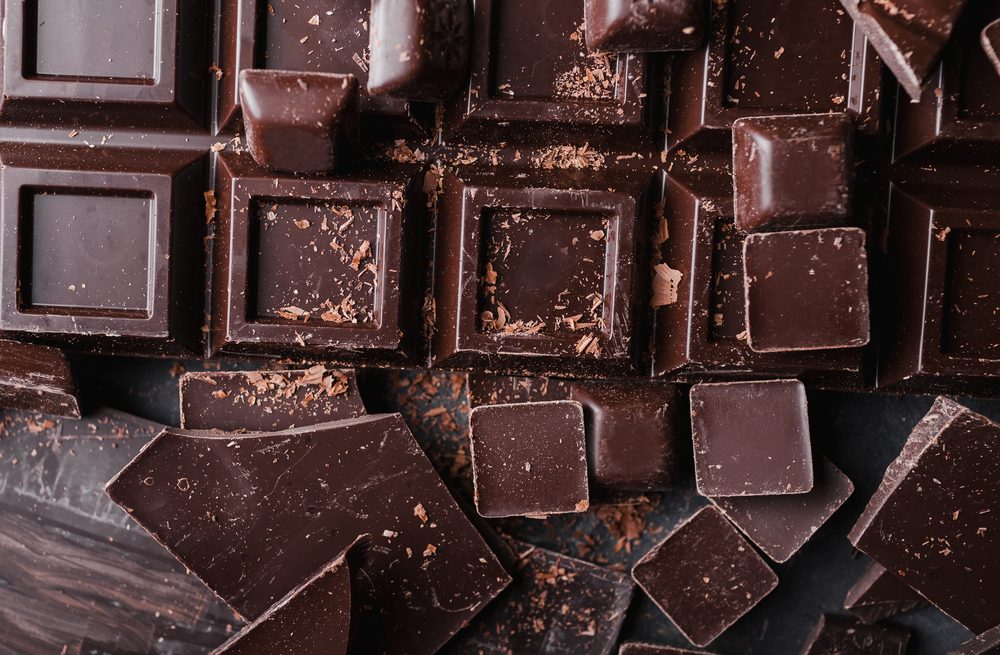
point(36, 378)
point(651, 649)
point(879, 594)
point(987, 643)
point(837, 635)
point(658, 25)
point(991, 43)
point(504, 390)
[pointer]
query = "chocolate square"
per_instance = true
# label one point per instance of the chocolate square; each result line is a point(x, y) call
point(751, 438)
point(503, 390)
point(879, 595)
point(806, 290)
point(652, 26)
point(36, 378)
point(839, 635)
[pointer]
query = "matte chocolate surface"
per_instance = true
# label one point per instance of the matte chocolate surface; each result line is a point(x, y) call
point(657, 25)
point(806, 290)
point(529, 459)
point(987, 643)
point(879, 594)
point(935, 520)
point(287, 502)
point(650, 649)
point(504, 390)
point(751, 438)
point(704, 576)
point(36, 378)
point(838, 635)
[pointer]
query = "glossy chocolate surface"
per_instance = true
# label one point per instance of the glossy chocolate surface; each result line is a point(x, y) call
point(658, 25)
point(878, 595)
point(990, 39)
point(36, 378)
point(838, 635)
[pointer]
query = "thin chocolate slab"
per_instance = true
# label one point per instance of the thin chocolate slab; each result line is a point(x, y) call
point(651, 649)
point(503, 390)
point(781, 525)
point(704, 576)
point(987, 643)
point(556, 604)
point(653, 26)
point(935, 519)
point(838, 635)
point(529, 459)
point(231, 506)
point(806, 290)
point(878, 595)
point(990, 38)
point(751, 438)
point(36, 378)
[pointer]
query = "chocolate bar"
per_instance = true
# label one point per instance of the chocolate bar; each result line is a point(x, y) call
point(504, 390)
point(878, 595)
point(987, 643)
point(990, 38)
point(660, 25)
point(650, 649)
point(838, 635)
point(36, 378)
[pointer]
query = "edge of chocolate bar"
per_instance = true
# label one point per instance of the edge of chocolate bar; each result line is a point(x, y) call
point(36, 378)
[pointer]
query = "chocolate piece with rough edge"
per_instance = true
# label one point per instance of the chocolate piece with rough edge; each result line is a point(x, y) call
point(793, 171)
point(806, 290)
point(503, 390)
point(751, 438)
point(301, 122)
point(633, 436)
point(36, 378)
point(838, 635)
point(781, 525)
point(649, 26)
point(267, 401)
point(315, 618)
point(653, 649)
point(556, 604)
point(529, 459)
point(704, 576)
point(935, 519)
point(419, 50)
point(286, 502)
point(879, 595)
point(909, 34)
point(990, 38)
point(987, 643)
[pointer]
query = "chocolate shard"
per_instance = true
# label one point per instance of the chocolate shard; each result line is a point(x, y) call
point(793, 171)
point(267, 401)
point(36, 378)
point(503, 390)
point(652, 26)
point(300, 122)
point(636, 648)
point(806, 290)
point(231, 506)
point(751, 438)
point(315, 618)
point(556, 604)
point(781, 525)
point(838, 635)
point(879, 595)
point(935, 519)
point(990, 37)
point(909, 34)
point(704, 590)
point(419, 50)
point(529, 459)
point(987, 643)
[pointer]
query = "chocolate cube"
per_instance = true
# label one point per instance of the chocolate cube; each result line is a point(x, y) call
point(649, 26)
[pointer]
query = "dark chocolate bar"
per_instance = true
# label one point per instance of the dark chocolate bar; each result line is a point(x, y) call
point(838, 635)
point(651, 649)
point(990, 38)
point(878, 595)
point(36, 378)
point(987, 643)
point(504, 390)
point(652, 26)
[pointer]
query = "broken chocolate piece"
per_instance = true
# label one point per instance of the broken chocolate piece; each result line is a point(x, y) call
point(650, 26)
point(751, 438)
point(991, 43)
point(878, 595)
point(529, 459)
point(504, 390)
point(36, 378)
point(652, 649)
point(987, 643)
point(229, 506)
point(704, 576)
point(838, 635)
point(806, 290)
point(935, 519)
point(300, 122)
point(780, 525)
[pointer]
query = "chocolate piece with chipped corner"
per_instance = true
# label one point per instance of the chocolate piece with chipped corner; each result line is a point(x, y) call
point(649, 26)
point(909, 35)
point(636, 648)
point(990, 38)
point(36, 378)
point(487, 389)
point(781, 525)
point(751, 438)
point(633, 436)
point(419, 50)
point(529, 459)
point(793, 171)
point(300, 122)
point(704, 576)
point(231, 505)
point(879, 595)
point(987, 643)
point(935, 519)
point(806, 290)
point(838, 635)
point(556, 604)
point(268, 401)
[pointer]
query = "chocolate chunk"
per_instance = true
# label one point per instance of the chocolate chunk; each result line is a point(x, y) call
point(781, 525)
point(556, 604)
point(654, 26)
point(838, 635)
point(651, 649)
point(704, 590)
point(266, 401)
point(632, 434)
point(295, 121)
point(793, 171)
point(36, 378)
point(909, 34)
point(529, 459)
point(230, 506)
point(991, 43)
point(420, 49)
point(878, 595)
point(504, 390)
point(806, 290)
point(987, 643)
point(751, 438)
point(935, 519)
